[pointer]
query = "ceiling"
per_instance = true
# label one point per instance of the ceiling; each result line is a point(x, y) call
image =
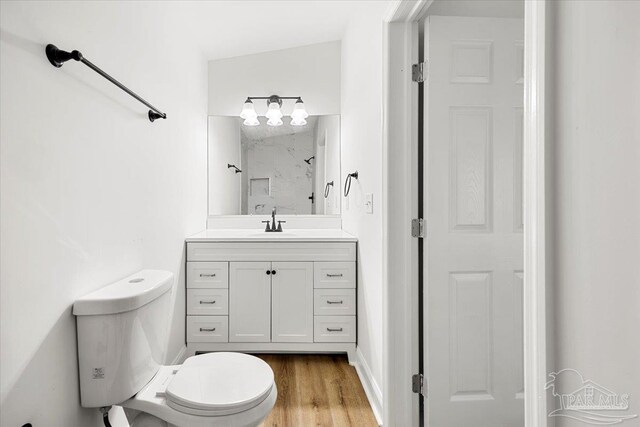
point(224, 29)
point(217, 28)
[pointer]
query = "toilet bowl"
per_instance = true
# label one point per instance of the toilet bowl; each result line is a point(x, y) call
point(214, 389)
point(122, 331)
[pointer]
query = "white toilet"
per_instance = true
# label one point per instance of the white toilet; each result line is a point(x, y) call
point(122, 335)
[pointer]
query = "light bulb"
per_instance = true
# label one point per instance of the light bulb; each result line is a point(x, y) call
point(274, 113)
point(251, 121)
point(248, 110)
point(275, 122)
point(299, 112)
point(297, 121)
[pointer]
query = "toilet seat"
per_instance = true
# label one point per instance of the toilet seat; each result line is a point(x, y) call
point(217, 384)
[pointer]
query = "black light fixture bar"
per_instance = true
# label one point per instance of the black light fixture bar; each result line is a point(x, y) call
point(58, 57)
point(274, 98)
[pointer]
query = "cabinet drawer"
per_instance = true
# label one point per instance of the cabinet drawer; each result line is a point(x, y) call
point(334, 329)
point(210, 275)
point(208, 302)
point(207, 329)
point(328, 275)
point(334, 302)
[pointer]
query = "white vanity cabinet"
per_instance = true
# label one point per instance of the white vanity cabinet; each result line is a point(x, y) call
point(250, 302)
point(292, 302)
point(271, 294)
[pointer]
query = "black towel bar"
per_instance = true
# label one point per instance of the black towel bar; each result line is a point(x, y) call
point(58, 57)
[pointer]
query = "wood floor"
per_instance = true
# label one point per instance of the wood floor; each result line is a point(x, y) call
point(317, 390)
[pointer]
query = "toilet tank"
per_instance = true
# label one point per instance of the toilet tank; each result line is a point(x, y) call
point(122, 336)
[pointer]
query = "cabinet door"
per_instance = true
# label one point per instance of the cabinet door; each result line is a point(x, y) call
point(292, 309)
point(249, 302)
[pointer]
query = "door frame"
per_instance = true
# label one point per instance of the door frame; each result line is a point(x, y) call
point(400, 205)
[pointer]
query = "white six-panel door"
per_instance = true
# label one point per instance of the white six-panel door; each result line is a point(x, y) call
point(292, 305)
point(473, 206)
point(249, 302)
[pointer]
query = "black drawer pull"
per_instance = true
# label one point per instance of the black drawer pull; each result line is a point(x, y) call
point(334, 275)
point(334, 302)
point(334, 329)
point(207, 275)
point(207, 329)
point(207, 302)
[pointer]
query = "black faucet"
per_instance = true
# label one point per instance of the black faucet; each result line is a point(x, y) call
point(273, 219)
point(272, 228)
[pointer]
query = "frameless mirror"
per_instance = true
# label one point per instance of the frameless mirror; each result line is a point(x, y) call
point(253, 169)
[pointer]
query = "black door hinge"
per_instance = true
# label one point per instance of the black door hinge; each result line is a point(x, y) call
point(418, 384)
point(419, 72)
point(417, 228)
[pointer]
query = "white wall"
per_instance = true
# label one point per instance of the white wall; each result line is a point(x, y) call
point(224, 183)
point(312, 72)
point(594, 199)
point(361, 124)
point(91, 191)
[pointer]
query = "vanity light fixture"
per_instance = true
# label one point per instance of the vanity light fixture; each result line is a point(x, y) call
point(249, 114)
point(274, 112)
point(299, 114)
point(275, 122)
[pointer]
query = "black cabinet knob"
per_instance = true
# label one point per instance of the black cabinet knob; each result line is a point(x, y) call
point(273, 272)
point(268, 272)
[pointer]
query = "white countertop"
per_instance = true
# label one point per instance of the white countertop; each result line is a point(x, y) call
point(259, 235)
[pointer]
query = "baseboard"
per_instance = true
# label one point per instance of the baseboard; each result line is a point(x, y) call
point(370, 386)
point(179, 359)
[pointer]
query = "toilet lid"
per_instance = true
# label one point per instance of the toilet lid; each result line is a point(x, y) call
point(220, 384)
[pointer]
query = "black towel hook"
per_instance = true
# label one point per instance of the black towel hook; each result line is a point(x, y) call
point(327, 189)
point(347, 182)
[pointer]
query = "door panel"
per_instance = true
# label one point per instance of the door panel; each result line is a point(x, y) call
point(473, 204)
point(292, 309)
point(249, 302)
